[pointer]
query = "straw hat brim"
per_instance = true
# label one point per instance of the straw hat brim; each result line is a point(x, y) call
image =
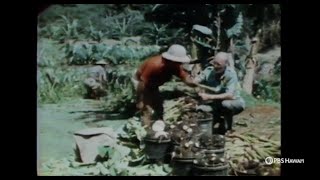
point(168, 56)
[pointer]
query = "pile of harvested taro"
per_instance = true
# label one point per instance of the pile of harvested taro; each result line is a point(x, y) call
point(245, 153)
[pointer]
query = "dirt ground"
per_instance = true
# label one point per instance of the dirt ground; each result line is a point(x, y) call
point(263, 120)
point(57, 122)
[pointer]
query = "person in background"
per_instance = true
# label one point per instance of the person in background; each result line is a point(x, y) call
point(96, 80)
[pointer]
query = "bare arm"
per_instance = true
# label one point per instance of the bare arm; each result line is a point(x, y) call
point(223, 96)
point(140, 89)
point(189, 81)
point(185, 77)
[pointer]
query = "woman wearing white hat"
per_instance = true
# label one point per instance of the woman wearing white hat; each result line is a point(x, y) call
point(153, 73)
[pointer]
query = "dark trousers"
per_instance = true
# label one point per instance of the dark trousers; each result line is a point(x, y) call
point(153, 106)
point(223, 112)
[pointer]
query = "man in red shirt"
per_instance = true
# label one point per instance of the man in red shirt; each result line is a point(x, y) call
point(153, 73)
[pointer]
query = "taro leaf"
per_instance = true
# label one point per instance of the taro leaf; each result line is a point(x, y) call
point(84, 170)
point(95, 171)
point(113, 171)
point(96, 57)
point(121, 165)
point(103, 151)
point(141, 170)
point(222, 10)
point(124, 135)
point(110, 58)
point(65, 162)
point(115, 156)
point(103, 169)
point(141, 133)
point(136, 152)
point(128, 125)
point(202, 29)
point(159, 171)
point(138, 159)
point(122, 150)
point(80, 52)
point(235, 30)
point(167, 168)
point(203, 44)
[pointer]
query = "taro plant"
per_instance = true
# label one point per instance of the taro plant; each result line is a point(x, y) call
point(85, 53)
point(133, 131)
point(70, 28)
point(161, 35)
point(56, 85)
point(267, 90)
point(123, 24)
point(120, 96)
point(94, 34)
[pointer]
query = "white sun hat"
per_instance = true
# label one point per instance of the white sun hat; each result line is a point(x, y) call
point(176, 53)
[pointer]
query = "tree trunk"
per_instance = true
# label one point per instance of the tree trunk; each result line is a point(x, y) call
point(194, 53)
point(250, 68)
point(231, 54)
point(249, 75)
point(196, 68)
point(218, 25)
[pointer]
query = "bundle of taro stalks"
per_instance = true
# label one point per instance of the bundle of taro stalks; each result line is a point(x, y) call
point(247, 152)
point(173, 109)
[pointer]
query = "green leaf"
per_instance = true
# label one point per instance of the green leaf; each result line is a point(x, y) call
point(138, 159)
point(124, 135)
point(112, 171)
point(140, 171)
point(121, 165)
point(236, 29)
point(84, 170)
point(203, 44)
point(159, 171)
point(102, 150)
point(122, 150)
point(167, 168)
point(104, 171)
point(95, 171)
point(115, 156)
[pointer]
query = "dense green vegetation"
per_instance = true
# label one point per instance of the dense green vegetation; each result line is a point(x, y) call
point(70, 37)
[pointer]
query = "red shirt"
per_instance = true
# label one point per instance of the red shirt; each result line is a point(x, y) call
point(155, 71)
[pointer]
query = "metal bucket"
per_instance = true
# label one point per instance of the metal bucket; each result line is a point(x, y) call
point(182, 166)
point(205, 125)
point(155, 149)
point(221, 170)
point(218, 152)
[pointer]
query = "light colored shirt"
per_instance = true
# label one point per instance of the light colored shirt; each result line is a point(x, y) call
point(98, 73)
point(226, 83)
